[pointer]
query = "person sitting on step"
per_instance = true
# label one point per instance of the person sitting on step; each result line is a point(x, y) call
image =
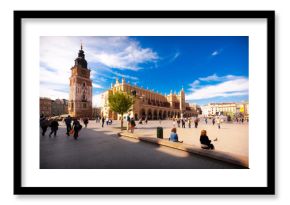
point(205, 141)
point(173, 136)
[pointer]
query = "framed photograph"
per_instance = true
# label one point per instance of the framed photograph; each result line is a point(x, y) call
point(144, 102)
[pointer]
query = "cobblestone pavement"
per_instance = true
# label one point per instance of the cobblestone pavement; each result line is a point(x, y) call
point(101, 148)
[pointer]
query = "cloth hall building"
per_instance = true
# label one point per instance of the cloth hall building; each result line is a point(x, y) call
point(148, 104)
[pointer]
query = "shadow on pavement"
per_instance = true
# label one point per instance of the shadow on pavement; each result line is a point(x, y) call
point(103, 149)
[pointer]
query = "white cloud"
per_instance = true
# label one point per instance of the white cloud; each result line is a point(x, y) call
point(176, 55)
point(57, 55)
point(194, 85)
point(124, 76)
point(215, 53)
point(115, 52)
point(60, 77)
point(52, 93)
point(232, 86)
point(214, 77)
point(54, 83)
point(95, 85)
point(93, 74)
point(128, 55)
point(97, 100)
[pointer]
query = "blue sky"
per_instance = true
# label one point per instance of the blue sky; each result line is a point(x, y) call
point(210, 69)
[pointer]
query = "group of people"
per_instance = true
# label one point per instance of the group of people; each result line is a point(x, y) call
point(46, 122)
point(183, 121)
point(241, 120)
point(214, 121)
point(102, 120)
point(204, 139)
point(73, 126)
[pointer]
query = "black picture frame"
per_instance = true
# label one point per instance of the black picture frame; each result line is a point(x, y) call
point(268, 190)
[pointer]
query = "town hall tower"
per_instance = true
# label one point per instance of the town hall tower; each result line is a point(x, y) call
point(80, 95)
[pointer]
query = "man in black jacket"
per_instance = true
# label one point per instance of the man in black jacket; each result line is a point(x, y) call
point(43, 124)
point(54, 127)
point(77, 127)
point(68, 124)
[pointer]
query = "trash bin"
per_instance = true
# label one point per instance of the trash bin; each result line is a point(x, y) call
point(160, 132)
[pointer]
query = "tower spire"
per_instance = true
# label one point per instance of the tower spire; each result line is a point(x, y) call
point(80, 60)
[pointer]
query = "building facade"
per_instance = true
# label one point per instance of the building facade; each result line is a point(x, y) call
point(49, 107)
point(230, 108)
point(45, 106)
point(148, 104)
point(80, 95)
point(243, 109)
point(195, 109)
point(59, 107)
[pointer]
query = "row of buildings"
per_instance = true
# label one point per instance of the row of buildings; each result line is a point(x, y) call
point(49, 107)
point(232, 109)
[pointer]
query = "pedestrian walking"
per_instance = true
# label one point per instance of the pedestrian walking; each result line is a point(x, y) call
point(68, 124)
point(196, 122)
point(107, 121)
point(218, 121)
point(178, 122)
point(189, 122)
point(76, 127)
point(146, 120)
point(173, 122)
point(128, 121)
point(132, 125)
point(213, 121)
point(53, 127)
point(205, 120)
point(103, 121)
point(182, 123)
point(44, 124)
point(86, 121)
